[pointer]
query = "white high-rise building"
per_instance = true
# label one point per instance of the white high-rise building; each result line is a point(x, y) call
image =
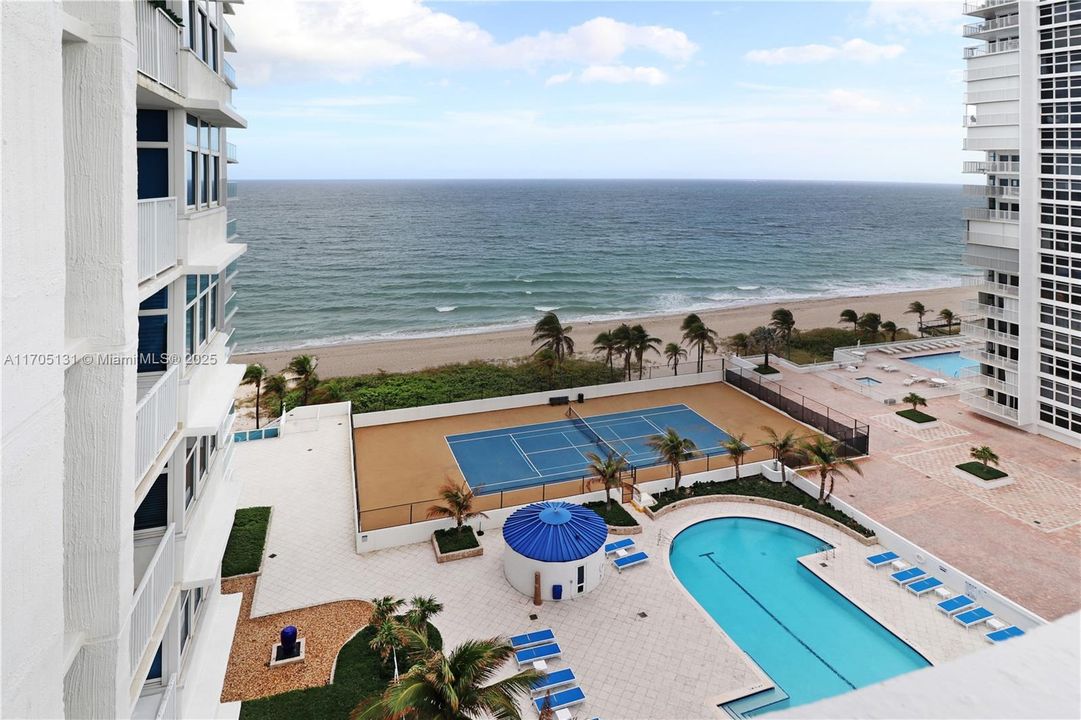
point(117, 495)
point(1023, 112)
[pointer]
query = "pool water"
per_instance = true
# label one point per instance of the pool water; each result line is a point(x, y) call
point(947, 364)
point(868, 381)
point(812, 641)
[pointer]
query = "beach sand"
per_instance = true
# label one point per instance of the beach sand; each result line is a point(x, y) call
point(416, 354)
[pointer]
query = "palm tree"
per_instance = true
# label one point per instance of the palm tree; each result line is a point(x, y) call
point(825, 454)
point(548, 360)
point(622, 337)
point(984, 454)
point(303, 369)
point(674, 353)
point(254, 374)
point(457, 503)
point(384, 608)
point(783, 323)
point(870, 323)
point(852, 317)
point(449, 687)
point(739, 343)
point(762, 338)
point(783, 447)
point(606, 343)
point(891, 327)
point(276, 386)
point(697, 335)
point(949, 316)
point(914, 400)
point(553, 335)
point(387, 641)
point(736, 450)
point(641, 343)
point(607, 471)
point(917, 308)
point(673, 449)
point(421, 611)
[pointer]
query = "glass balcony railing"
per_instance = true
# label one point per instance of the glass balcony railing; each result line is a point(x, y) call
point(231, 190)
point(231, 228)
point(230, 152)
point(229, 73)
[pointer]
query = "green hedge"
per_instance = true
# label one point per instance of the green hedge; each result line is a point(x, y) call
point(244, 551)
point(983, 472)
point(615, 514)
point(758, 486)
point(916, 416)
point(451, 540)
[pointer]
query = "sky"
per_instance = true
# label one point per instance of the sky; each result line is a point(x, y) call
point(741, 90)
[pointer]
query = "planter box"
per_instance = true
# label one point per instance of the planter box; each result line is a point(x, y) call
point(442, 557)
point(980, 482)
point(916, 425)
point(275, 662)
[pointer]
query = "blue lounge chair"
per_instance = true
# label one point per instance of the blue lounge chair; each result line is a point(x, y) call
point(926, 585)
point(904, 577)
point(625, 562)
point(538, 637)
point(877, 561)
point(975, 616)
point(565, 698)
point(1004, 634)
point(538, 652)
point(553, 680)
point(618, 545)
point(956, 604)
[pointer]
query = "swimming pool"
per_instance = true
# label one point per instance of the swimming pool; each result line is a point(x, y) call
point(949, 364)
point(812, 641)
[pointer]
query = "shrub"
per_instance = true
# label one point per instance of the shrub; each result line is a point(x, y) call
point(244, 551)
point(615, 514)
point(916, 416)
point(983, 472)
point(453, 540)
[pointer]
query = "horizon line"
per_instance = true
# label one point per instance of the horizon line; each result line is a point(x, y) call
point(594, 179)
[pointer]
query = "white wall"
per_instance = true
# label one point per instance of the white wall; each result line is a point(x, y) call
point(519, 571)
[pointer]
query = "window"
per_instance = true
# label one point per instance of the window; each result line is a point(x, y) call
point(154, 332)
point(581, 578)
point(152, 153)
point(200, 310)
point(202, 143)
point(155, 666)
point(153, 511)
point(199, 455)
point(185, 620)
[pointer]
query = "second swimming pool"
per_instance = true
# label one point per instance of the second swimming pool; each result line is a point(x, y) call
point(812, 641)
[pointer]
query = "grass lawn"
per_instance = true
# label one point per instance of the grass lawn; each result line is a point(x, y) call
point(916, 416)
point(766, 370)
point(359, 675)
point(758, 486)
point(983, 472)
point(244, 551)
point(451, 540)
point(615, 515)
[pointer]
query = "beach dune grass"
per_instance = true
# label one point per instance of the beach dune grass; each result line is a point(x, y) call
point(244, 551)
point(983, 472)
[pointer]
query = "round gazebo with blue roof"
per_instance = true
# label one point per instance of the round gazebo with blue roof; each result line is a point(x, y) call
point(561, 541)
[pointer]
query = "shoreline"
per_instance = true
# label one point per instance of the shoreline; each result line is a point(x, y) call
point(417, 353)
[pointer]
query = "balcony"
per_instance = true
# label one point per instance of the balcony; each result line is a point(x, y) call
point(981, 332)
point(151, 596)
point(231, 190)
point(973, 379)
point(980, 260)
point(975, 307)
point(992, 215)
point(157, 236)
point(976, 400)
point(988, 119)
point(991, 28)
point(986, 7)
point(986, 358)
point(999, 143)
point(991, 167)
point(992, 72)
point(156, 417)
point(995, 191)
point(992, 48)
point(228, 73)
point(229, 37)
point(231, 227)
point(157, 40)
point(230, 152)
point(996, 288)
point(1000, 95)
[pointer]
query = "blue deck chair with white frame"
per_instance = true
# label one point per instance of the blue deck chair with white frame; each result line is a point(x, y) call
point(529, 639)
point(975, 616)
point(553, 680)
point(1004, 634)
point(561, 699)
point(614, 547)
point(904, 577)
point(877, 561)
point(537, 652)
point(956, 604)
point(623, 563)
point(920, 587)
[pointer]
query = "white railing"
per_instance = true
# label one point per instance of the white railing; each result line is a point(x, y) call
point(155, 420)
point(999, 143)
point(990, 166)
point(230, 152)
point(977, 308)
point(998, 288)
point(981, 332)
point(990, 119)
point(982, 356)
point(996, 239)
point(976, 7)
point(976, 259)
point(992, 48)
point(1010, 21)
point(1000, 95)
point(992, 72)
point(157, 41)
point(167, 704)
point(973, 379)
point(1003, 191)
point(985, 214)
point(157, 236)
point(151, 594)
point(974, 400)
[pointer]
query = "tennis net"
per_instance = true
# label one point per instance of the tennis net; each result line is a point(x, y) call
point(589, 432)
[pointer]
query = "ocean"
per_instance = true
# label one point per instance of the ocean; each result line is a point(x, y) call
point(339, 261)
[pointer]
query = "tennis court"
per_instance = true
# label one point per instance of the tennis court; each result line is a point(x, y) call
point(528, 455)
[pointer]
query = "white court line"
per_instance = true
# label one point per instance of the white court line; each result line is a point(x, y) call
point(524, 456)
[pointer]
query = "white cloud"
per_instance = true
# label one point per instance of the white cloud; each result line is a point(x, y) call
point(856, 50)
point(620, 74)
point(345, 40)
point(852, 101)
point(361, 101)
point(559, 79)
point(919, 17)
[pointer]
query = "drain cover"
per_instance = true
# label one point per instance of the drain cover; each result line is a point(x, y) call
point(823, 564)
point(273, 555)
point(642, 615)
point(532, 616)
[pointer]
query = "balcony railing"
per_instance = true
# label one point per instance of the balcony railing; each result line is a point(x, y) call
point(167, 703)
point(999, 143)
point(986, 358)
point(1000, 95)
point(992, 72)
point(975, 8)
point(980, 332)
point(155, 420)
point(157, 40)
point(997, 288)
point(151, 594)
point(973, 378)
point(993, 239)
point(157, 236)
point(231, 190)
point(228, 36)
point(978, 401)
point(996, 191)
point(991, 167)
point(994, 215)
point(992, 48)
point(230, 152)
point(989, 26)
point(231, 227)
point(991, 311)
point(229, 74)
point(985, 120)
point(980, 260)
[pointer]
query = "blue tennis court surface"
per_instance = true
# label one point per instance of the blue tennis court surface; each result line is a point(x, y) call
point(510, 458)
